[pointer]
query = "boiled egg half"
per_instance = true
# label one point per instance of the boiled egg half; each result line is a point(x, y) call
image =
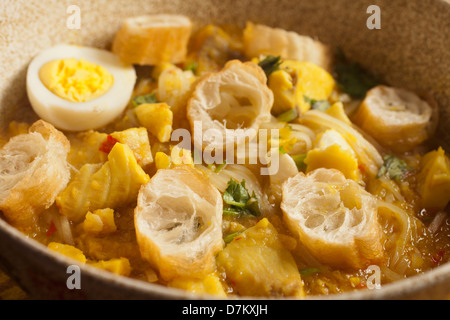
point(79, 88)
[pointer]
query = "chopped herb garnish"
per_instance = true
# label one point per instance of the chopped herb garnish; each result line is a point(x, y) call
point(146, 98)
point(299, 160)
point(253, 205)
point(309, 271)
point(233, 235)
point(217, 168)
point(191, 66)
point(321, 105)
point(239, 200)
point(288, 116)
point(236, 194)
point(395, 168)
point(352, 78)
point(220, 167)
point(270, 64)
point(231, 211)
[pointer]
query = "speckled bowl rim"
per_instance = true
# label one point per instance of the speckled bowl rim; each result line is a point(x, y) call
point(395, 290)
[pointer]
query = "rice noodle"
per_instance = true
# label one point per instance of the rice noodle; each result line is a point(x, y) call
point(63, 227)
point(392, 190)
point(66, 230)
point(437, 222)
point(398, 240)
point(402, 230)
point(304, 136)
point(390, 274)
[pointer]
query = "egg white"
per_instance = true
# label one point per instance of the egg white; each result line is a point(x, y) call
point(78, 116)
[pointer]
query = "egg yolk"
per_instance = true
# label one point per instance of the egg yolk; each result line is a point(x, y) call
point(75, 80)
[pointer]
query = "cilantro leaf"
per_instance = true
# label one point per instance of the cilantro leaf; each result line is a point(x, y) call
point(217, 167)
point(233, 235)
point(351, 78)
point(142, 99)
point(236, 194)
point(309, 271)
point(232, 211)
point(299, 160)
point(288, 115)
point(270, 64)
point(395, 168)
point(192, 66)
point(239, 200)
point(253, 205)
point(321, 105)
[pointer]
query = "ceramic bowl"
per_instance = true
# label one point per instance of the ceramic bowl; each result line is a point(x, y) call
point(411, 49)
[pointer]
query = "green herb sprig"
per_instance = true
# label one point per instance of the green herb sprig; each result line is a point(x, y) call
point(395, 168)
point(270, 64)
point(145, 98)
point(351, 78)
point(239, 201)
point(228, 238)
point(321, 105)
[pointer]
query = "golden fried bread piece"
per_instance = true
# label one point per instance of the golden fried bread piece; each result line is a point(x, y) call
point(235, 98)
point(33, 171)
point(397, 118)
point(178, 221)
point(153, 39)
point(264, 40)
point(334, 217)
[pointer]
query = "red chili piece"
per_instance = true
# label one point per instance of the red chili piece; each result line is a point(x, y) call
point(108, 144)
point(51, 230)
point(438, 257)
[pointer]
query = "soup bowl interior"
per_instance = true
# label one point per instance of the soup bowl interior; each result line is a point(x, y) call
point(409, 50)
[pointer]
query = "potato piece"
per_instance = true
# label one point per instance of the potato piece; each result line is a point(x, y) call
point(209, 285)
point(333, 152)
point(284, 92)
point(257, 264)
point(174, 88)
point(98, 186)
point(162, 160)
point(296, 80)
point(153, 39)
point(334, 217)
point(264, 40)
point(157, 118)
point(137, 140)
point(33, 171)
point(368, 155)
point(120, 266)
point(434, 180)
point(93, 147)
point(100, 221)
point(333, 157)
point(68, 251)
